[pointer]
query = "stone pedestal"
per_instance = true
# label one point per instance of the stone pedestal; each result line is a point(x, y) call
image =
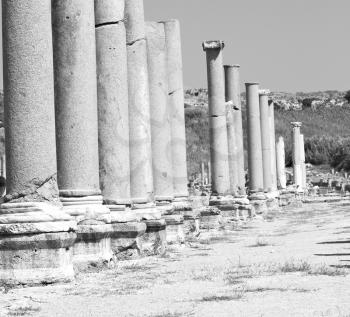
point(233, 92)
point(141, 174)
point(281, 164)
point(36, 236)
point(76, 127)
point(297, 169)
point(265, 139)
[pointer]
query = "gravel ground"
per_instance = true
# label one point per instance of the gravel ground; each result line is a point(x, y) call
point(285, 265)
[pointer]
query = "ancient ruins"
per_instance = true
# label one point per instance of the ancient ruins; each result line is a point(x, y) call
point(103, 174)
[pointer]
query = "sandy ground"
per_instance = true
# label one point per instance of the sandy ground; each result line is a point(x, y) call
point(281, 266)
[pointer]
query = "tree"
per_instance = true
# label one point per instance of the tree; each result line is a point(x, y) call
point(347, 96)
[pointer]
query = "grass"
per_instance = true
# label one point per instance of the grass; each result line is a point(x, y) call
point(260, 243)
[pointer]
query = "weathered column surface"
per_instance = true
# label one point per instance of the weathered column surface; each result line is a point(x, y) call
point(233, 92)
point(281, 164)
point(217, 118)
point(113, 122)
point(141, 175)
point(265, 139)
point(177, 113)
point(297, 170)
point(255, 164)
point(76, 126)
point(141, 170)
point(160, 119)
point(203, 173)
point(113, 111)
point(273, 145)
point(302, 157)
point(231, 135)
point(35, 235)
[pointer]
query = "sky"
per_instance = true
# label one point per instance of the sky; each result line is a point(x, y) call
point(286, 45)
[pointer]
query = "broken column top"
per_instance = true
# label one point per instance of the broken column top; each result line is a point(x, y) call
point(232, 66)
point(264, 92)
point(251, 83)
point(296, 124)
point(109, 11)
point(213, 45)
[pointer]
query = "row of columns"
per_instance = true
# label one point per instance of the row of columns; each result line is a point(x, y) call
point(266, 160)
point(94, 122)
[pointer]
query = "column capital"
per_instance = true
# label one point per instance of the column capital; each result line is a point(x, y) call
point(296, 124)
point(264, 92)
point(213, 45)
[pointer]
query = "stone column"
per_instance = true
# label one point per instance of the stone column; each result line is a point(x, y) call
point(203, 173)
point(177, 114)
point(232, 144)
point(265, 139)
point(3, 175)
point(303, 165)
point(141, 173)
point(161, 129)
point(273, 145)
point(209, 174)
point(255, 164)
point(233, 92)
point(281, 164)
point(217, 118)
point(76, 126)
point(113, 122)
point(297, 170)
point(36, 236)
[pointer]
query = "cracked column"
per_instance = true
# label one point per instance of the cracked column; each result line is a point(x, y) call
point(265, 138)
point(281, 164)
point(218, 128)
point(161, 130)
point(233, 92)
point(297, 169)
point(177, 116)
point(36, 236)
point(113, 123)
point(273, 145)
point(76, 127)
point(141, 173)
point(303, 165)
point(255, 160)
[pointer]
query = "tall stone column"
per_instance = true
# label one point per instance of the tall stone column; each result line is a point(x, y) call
point(233, 92)
point(281, 164)
point(141, 172)
point(36, 236)
point(303, 165)
point(77, 130)
point(113, 122)
point(203, 173)
point(3, 175)
point(231, 138)
point(265, 139)
point(255, 164)
point(217, 118)
point(297, 169)
point(161, 129)
point(177, 114)
point(273, 145)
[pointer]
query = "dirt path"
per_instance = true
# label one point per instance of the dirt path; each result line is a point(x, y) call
point(278, 267)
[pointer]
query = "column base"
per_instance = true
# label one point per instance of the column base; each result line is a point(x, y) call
point(290, 197)
point(126, 232)
point(153, 241)
point(258, 202)
point(93, 244)
point(36, 242)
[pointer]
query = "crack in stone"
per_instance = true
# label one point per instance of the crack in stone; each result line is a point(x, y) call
point(137, 40)
point(174, 91)
point(109, 23)
point(42, 190)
